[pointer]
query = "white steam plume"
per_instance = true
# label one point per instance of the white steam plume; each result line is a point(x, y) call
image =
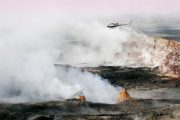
point(29, 50)
point(93, 44)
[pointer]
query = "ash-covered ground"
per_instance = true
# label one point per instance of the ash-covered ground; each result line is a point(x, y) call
point(155, 97)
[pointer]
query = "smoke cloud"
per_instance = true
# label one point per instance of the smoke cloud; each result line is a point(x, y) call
point(30, 47)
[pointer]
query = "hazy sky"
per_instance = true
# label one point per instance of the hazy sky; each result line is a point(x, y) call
point(92, 6)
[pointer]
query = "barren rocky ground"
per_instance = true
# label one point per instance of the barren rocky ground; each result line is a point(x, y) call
point(156, 97)
point(135, 78)
point(70, 110)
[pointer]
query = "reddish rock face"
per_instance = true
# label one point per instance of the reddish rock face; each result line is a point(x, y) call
point(171, 61)
point(156, 52)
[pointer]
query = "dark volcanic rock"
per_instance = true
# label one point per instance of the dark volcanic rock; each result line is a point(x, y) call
point(44, 118)
point(70, 110)
point(131, 78)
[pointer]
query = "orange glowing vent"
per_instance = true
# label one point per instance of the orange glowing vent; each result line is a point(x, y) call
point(123, 96)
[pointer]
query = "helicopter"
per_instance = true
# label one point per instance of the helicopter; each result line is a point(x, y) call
point(116, 24)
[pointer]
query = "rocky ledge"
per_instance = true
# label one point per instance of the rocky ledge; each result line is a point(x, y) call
point(147, 109)
point(135, 78)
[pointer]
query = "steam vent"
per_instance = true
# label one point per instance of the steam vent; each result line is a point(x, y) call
point(123, 96)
